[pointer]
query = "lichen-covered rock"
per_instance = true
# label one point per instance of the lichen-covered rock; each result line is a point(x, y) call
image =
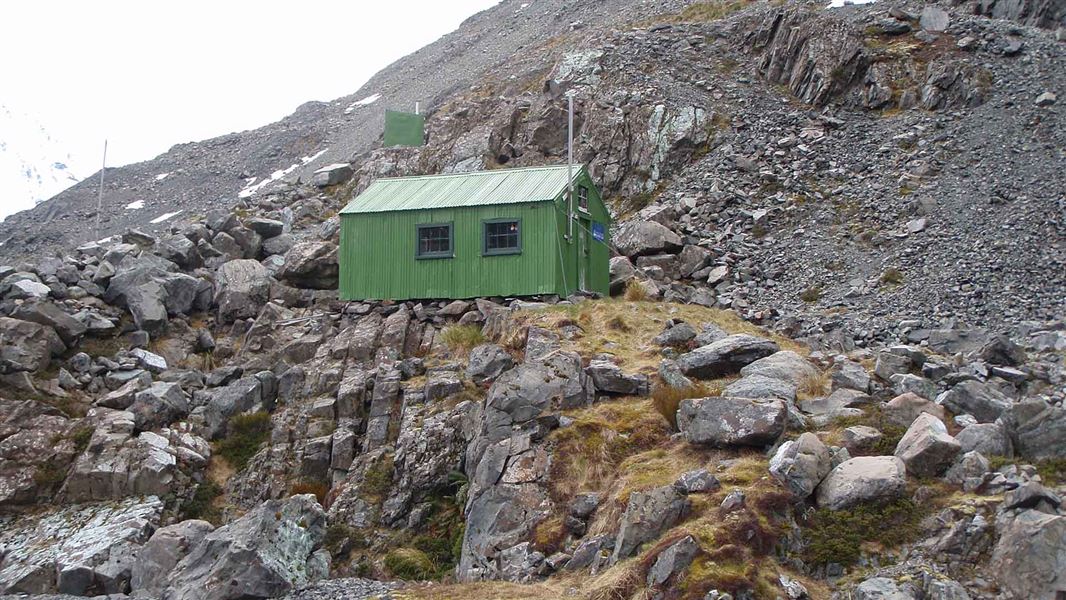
point(162, 552)
point(801, 464)
point(640, 238)
point(671, 561)
point(990, 439)
point(27, 346)
point(981, 400)
point(648, 514)
point(862, 479)
point(725, 356)
point(904, 408)
point(311, 265)
point(1037, 429)
point(785, 365)
point(263, 554)
point(1029, 560)
point(609, 378)
point(242, 287)
point(927, 449)
point(729, 421)
point(79, 550)
point(487, 362)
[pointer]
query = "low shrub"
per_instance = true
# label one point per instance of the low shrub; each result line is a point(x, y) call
point(836, 536)
point(462, 338)
point(202, 503)
point(81, 438)
point(378, 478)
point(246, 434)
point(811, 294)
point(409, 563)
point(892, 276)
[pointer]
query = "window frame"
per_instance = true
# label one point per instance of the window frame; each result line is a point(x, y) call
point(583, 194)
point(450, 253)
point(485, 251)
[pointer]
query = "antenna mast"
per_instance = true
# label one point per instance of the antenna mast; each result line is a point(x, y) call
point(570, 166)
point(100, 195)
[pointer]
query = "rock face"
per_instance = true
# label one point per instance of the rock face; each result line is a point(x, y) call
point(927, 449)
point(81, 550)
point(728, 421)
point(1037, 429)
point(27, 346)
point(648, 514)
point(801, 464)
point(264, 554)
point(311, 265)
point(862, 479)
point(162, 552)
point(487, 362)
point(725, 356)
point(1029, 560)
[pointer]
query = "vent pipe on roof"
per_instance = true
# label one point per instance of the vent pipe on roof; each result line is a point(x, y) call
point(417, 107)
point(570, 167)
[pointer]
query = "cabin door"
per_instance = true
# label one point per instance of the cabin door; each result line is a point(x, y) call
point(583, 253)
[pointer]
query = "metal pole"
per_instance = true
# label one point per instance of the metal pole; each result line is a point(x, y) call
point(417, 107)
point(100, 195)
point(570, 166)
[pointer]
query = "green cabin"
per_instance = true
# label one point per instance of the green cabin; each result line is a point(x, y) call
point(489, 233)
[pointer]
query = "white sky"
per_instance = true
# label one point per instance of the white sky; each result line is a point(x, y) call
point(147, 74)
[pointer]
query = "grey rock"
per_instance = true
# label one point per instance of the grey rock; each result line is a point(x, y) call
point(268, 228)
point(242, 287)
point(784, 365)
point(609, 378)
point(700, 481)
point(263, 554)
point(671, 374)
point(311, 265)
point(990, 439)
point(622, 272)
point(583, 505)
point(159, 405)
point(889, 364)
point(880, 588)
point(981, 400)
point(904, 383)
point(675, 335)
point(801, 464)
point(27, 346)
point(149, 361)
point(728, 421)
point(860, 437)
point(1000, 350)
point(758, 386)
point(862, 479)
point(968, 470)
point(934, 19)
point(45, 313)
point(639, 238)
point(927, 449)
point(903, 409)
point(1037, 429)
point(691, 259)
point(487, 362)
point(725, 356)
point(1029, 560)
point(648, 514)
point(672, 560)
point(162, 552)
point(332, 175)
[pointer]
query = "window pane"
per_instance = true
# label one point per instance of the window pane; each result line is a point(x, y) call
point(583, 197)
point(501, 236)
point(434, 240)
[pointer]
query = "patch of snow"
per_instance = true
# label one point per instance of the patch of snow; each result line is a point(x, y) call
point(165, 216)
point(135, 205)
point(524, 6)
point(161, 176)
point(840, 3)
point(307, 159)
point(364, 102)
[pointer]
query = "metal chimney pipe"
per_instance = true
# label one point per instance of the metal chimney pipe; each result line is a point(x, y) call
point(570, 166)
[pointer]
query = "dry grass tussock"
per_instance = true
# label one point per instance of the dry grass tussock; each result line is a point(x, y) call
point(625, 329)
point(813, 386)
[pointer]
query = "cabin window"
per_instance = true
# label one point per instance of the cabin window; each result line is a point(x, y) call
point(583, 198)
point(434, 241)
point(502, 236)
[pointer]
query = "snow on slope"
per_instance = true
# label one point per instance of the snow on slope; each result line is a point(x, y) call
point(34, 166)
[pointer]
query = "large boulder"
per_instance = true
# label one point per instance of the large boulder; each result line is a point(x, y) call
point(927, 449)
point(67, 327)
point(981, 400)
point(609, 378)
point(247, 394)
point(1029, 560)
point(1037, 429)
point(904, 408)
point(863, 479)
point(242, 287)
point(801, 464)
point(990, 439)
point(159, 405)
point(34, 442)
point(648, 514)
point(80, 550)
point(758, 386)
point(671, 561)
point(621, 272)
point(640, 238)
point(849, 375)
point(264, 554)
point(725, 356)
point(729, 421)
point(27, 346)
point(158, 557)
point(784, 365)
point(311, 265)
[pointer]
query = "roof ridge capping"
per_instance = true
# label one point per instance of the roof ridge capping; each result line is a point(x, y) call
point(502, 171)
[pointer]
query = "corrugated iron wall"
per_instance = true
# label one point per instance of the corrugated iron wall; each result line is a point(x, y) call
point(404, 129)
point(378, 255)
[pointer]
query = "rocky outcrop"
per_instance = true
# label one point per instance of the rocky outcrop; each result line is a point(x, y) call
point(647, 515)
point(27, 346)
point(242, 286)
point(1029, 559)
point(725, 356)
point(264, 554)
point(79, 550)
point(162, 552)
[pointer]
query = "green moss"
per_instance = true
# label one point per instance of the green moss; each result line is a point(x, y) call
point(409, 563)
point(246, 434)
point(202, 504)
point(836, 536)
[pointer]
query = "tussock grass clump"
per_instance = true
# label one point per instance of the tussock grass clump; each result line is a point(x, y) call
point(892, 276)
point(246, 434)
point(462, 338)
point(666, 399)
point(409, 563)
point(811, 294)
point(378, 478)
point(635, 291)
point(837, 536)
point(701, 12)
point(813, 386)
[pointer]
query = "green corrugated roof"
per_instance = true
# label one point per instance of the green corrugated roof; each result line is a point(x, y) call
point(501, 186)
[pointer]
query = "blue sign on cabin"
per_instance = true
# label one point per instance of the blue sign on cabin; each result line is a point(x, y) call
point(599, 231)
